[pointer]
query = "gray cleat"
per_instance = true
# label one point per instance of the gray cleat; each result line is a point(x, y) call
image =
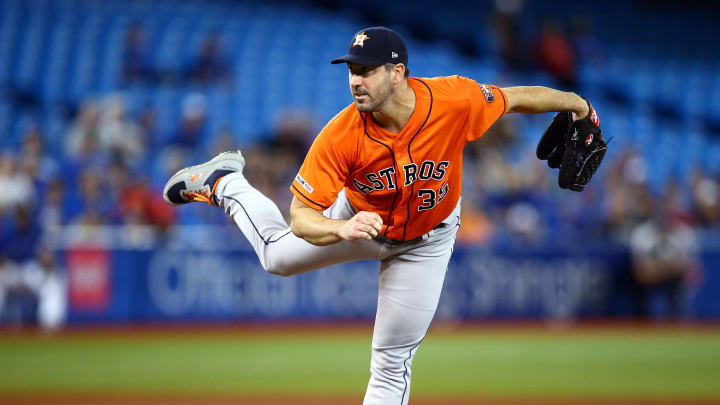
point(198, 183)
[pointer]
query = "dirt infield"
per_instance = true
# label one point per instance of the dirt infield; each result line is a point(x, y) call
point(68, 399)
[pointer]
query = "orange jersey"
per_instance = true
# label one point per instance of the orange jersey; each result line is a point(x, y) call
point(412, 179)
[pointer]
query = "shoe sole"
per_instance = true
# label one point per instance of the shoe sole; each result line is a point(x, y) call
point(232, 156)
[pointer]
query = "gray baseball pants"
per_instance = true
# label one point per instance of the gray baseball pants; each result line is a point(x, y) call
point(410, 280)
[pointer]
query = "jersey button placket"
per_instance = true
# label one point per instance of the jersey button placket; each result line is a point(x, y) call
point(401, 159)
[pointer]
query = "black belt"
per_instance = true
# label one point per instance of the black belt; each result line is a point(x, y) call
point(390, 241)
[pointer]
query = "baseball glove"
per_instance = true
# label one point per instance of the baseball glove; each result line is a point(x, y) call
point(576, 147)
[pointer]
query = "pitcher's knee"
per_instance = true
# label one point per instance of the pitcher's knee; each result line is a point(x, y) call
point(277, 270)
point(281, 269)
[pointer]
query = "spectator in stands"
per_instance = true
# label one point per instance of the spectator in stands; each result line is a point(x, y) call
point(210, 66)
point(51, 211)
point(706, 199)
point(663, 260)
point(32, 287)
point(142, 207)
point(628, 202)
point(137, 202)
point(16, 185)
point(50, 285)
point(18, 303)
point(82, 138)
point(224, 140)
point(676, 203)
point(190, 133)
point(19, 256)
point(147, 124)
point(292, 133)
point(4, 285)
point(512, 49)
point(476, 227)
point(118, 134)
point(135, 62)
point(26, 234)
point(556, 55)
point(36, 163)
point(4, 274)
point(489, 170)
point(91, 205)
point(524, 223)
point(586, 45)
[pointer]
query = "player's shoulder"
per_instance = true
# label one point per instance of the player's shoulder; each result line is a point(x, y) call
point(448, 87)
point(347, 121)
point(345, 124)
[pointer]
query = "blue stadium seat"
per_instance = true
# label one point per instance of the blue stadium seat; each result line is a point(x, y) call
point(68, 49)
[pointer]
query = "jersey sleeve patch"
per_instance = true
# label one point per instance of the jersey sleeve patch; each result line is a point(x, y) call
point(309, 202)
point(487, 93)
point(487, 105)
point(304, 184)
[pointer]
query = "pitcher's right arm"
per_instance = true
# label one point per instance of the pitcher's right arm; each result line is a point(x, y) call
point(311, 225)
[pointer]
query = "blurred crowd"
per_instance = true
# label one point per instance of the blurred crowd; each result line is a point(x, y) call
point(509, 195)
point(113, 162)
point(112, 172)
point(108, 171)
point(510, 198)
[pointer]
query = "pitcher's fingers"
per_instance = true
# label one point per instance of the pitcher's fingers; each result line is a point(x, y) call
point(359, 234)
point(366, 219)
point(377, 225)
point(374, 222)
point(377, 217)
point(369, 230)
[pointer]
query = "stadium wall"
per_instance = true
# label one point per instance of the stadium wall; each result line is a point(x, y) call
point(180, 284)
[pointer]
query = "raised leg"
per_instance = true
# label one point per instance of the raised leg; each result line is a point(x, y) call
point(280, 252)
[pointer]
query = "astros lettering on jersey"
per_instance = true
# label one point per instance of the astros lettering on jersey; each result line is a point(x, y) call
point(412, 179)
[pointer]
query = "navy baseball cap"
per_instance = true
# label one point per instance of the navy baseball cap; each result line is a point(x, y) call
point(375, 46)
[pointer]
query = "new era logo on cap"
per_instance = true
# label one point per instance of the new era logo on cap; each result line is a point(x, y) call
point(375, 46)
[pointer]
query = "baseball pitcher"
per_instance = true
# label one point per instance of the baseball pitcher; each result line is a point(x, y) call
point(382, 181)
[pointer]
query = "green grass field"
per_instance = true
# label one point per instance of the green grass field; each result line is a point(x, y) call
point(531, 362)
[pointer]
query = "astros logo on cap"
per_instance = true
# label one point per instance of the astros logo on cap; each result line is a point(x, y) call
point(360, 39)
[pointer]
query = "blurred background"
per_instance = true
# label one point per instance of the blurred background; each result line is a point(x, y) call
point(101, 101)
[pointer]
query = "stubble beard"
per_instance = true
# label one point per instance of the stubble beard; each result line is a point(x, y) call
point(376, 103)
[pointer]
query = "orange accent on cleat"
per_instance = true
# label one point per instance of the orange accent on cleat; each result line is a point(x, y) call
point(199, 197)
point(204, 196)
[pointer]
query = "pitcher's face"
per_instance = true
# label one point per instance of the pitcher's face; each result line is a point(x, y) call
point(370, 86)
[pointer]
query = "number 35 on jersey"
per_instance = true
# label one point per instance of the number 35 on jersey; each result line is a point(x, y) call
point(428, 171)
